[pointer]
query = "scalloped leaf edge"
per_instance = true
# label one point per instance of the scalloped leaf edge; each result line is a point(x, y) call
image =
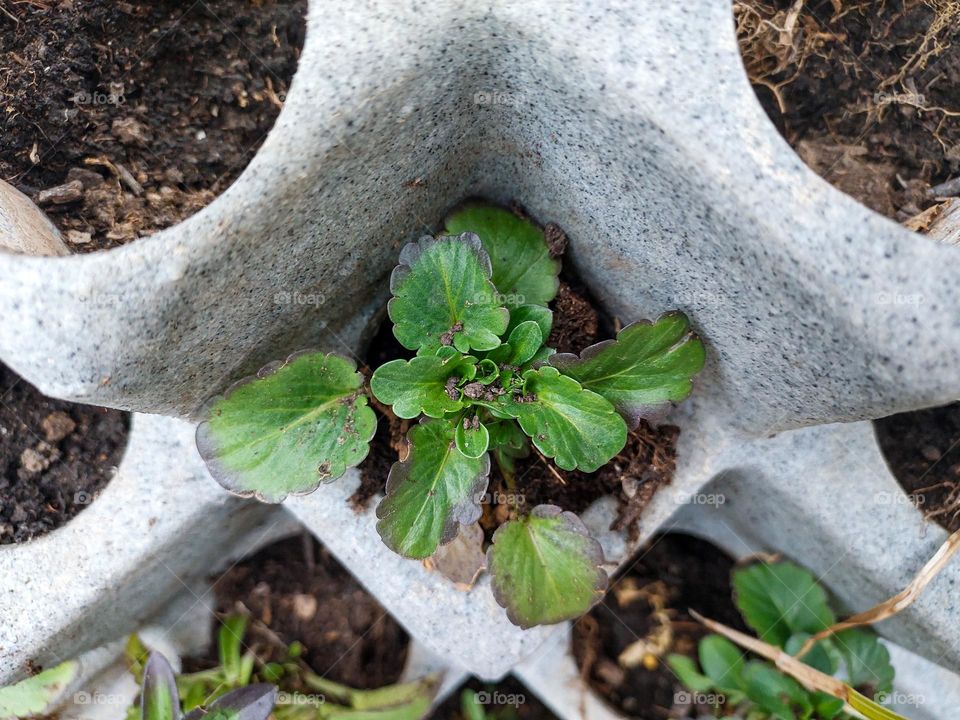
point(412, 251)
point(205, 445)
point(594, 555)
point(632, 414)
point(463, 514)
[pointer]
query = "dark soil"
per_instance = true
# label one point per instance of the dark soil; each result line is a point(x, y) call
point(650, 601)
point(863, 91)
point(505, 700)
point(644, 465)
point(295, 590)
point(923, 451)
point(55, 457)
point(149, 109)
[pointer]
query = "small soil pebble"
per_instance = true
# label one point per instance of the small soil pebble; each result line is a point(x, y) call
point(55, 457)
point(295, 591)
point(123, 118)
point(922, 449)
point(621, 645)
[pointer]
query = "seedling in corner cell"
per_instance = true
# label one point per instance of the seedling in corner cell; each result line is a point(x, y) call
point(472, 305)
point(785, 606)
point(244, 687)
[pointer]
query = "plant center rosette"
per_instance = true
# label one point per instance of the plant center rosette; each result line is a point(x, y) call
point(473, 306)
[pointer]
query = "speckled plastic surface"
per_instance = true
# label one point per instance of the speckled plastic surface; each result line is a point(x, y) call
point(632, 125)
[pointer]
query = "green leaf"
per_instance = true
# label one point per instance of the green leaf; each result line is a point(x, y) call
point(820, 657)
point(135, 655)
point(722, 661)
point(442, 295)
point(687, 673)
point(471, 440)
point(779, 600)
point(293, 426)
point(648, 364)
point(254, 702)
point(870, 709)
point(392, 696)
point(487, 371)
point(507, 436)
point(545, 567)
point(34, 695)
point(778, 694)
point(574, 426)
point(432, 492)
point(866, 659)
point(470, 707)
point(540, 314)
point(524, 341)
point(229, 646)
point(826, 706)
point(523, 270)
point(419, 385)
point(415, 709)
point(158, 696)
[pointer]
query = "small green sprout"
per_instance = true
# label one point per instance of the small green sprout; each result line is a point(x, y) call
point(36, 694)
point(242, 687)
point(473, 306)
point(160, 699)
point(785, 606)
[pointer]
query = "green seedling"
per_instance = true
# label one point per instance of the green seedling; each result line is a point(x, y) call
point(160, 699)
point(472, 305)
point(239, 688)
point(36, 694)
point(785, 606)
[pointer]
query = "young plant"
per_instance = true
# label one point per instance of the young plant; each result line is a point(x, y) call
point(785, 606)
point(36, 694)
point(160, 699)
point(241, 685)
point(472, 305)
